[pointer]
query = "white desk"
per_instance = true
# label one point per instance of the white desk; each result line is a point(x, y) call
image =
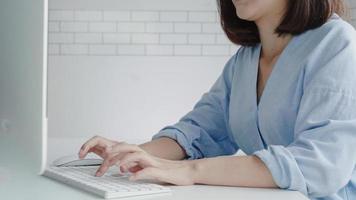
point(17, 184)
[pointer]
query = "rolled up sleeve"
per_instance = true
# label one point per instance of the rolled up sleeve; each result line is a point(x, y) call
point(204, 131)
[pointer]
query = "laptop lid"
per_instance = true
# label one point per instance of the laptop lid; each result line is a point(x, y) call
point(23, 66)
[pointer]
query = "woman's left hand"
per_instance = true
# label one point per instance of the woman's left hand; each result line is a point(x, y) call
point(143, 166)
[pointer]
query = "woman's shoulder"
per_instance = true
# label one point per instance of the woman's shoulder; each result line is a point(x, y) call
point(330, 55)
point(336, 23)
point(335, 30)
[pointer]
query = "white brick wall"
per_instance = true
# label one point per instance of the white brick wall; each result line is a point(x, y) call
point(216, 50)
point(74, 49)
point(116, 38)
point(353, 16)
point(130, 27)
point(202, 16)
point(102, 27)
point(187, 27)
point(53, 27)
point(61, 15)
point(60, 38)
point(74, 26)
point(131, 49)
point(144, 16)
point(352, 4)
point(159, 27)
point(173, 38)
point(173, 16)
point(145, 38)
point(140, 32)
point(116, 16)
point(102, 49)
point(201, 39)
point(184, 50)
point(137, 33)
point(88, 38)
point(166, 50)
point(85, 15)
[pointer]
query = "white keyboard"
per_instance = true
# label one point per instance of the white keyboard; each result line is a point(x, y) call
point(110, 185)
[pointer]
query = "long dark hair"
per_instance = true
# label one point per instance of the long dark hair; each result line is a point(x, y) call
point(301, 15)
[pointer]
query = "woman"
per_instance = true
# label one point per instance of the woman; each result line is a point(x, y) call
point(287, 98)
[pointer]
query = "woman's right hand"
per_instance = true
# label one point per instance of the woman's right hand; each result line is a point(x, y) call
point(98, 145)
point(111, 152)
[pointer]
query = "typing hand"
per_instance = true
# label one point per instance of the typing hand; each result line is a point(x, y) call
point(97, 145)
point(142, 165)
point(111, 151)
point(153, 168)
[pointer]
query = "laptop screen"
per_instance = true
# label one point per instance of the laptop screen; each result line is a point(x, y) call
point(23, 65)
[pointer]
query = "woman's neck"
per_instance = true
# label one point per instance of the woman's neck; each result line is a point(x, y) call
point(272, 44)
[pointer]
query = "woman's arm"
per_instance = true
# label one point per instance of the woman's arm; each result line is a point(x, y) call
point(164, 148)
point(243, 171)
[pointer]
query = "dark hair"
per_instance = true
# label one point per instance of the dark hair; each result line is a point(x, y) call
point(300, 16)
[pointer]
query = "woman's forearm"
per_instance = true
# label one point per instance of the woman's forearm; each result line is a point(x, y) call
point(164, 148)
point(243, 171)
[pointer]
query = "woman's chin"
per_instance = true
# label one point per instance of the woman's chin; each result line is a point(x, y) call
point(246, 17)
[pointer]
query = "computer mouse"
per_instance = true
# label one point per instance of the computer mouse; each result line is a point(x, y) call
point(75, 161)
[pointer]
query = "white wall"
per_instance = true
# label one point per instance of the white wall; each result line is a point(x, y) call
point(138, 32)
point(127, 68)
point(124, 97)
point(352, 4)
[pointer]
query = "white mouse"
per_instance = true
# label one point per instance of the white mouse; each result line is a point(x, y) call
point(74, 161)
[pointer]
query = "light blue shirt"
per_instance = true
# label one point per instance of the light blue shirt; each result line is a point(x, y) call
point(303, 128)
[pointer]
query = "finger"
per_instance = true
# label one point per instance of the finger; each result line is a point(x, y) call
point(125, 148)
point(138, 157)
point(107, 150)
point(149, 173)
point(135, 169)
point(107, 163)
point(96, 141)
point(103, 168)
point(115, 153)
point(98, 152)
point(127, 167)
point(122, 169)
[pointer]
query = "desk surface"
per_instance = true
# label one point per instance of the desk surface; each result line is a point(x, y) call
point(18, 184)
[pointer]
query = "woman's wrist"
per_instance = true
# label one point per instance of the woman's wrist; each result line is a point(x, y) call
point(193, 167)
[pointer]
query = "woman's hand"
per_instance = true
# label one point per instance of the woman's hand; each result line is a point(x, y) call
point(153, 168)
point(104, 148)
point(97, 145)
point(142, 165)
